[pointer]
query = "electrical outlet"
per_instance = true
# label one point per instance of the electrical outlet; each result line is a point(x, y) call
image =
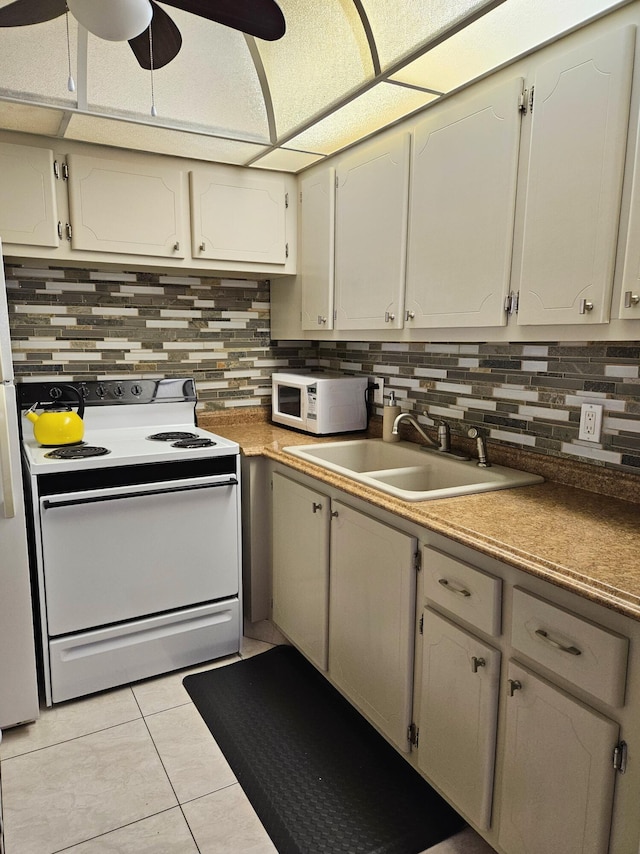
point(378, 393)
point(590, 422)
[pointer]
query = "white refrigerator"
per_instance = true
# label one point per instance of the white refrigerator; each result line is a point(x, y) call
point(18, 682)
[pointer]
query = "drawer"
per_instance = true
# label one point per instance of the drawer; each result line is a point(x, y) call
point(463, 590)
point(585, 654)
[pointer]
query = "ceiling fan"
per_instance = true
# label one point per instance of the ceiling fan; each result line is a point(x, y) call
point(129, 20)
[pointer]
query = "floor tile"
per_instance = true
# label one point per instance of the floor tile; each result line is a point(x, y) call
point(190, 756)
point(165, 692)
point(251, 646)
point(68, 793)
point(165, 833)
point(465, 842)
point(71, 720)
point(225, 822)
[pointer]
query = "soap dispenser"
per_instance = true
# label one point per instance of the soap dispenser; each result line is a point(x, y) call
point(389, 415)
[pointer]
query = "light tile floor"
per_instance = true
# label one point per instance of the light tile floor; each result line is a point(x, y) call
point(134, 771)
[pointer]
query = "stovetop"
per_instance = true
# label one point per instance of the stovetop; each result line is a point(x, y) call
point(120, 416)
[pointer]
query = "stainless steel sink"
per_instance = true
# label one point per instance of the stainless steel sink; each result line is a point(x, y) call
point(409, 471)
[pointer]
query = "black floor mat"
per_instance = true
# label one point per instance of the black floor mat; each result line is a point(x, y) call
point(320, 778)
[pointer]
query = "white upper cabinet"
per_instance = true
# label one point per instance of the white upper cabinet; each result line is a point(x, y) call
point(28, 210)
point(317, 237)
point(238, 215)
point(461, 213)
point(371, 234)
point(127, 206)
point(574, 182)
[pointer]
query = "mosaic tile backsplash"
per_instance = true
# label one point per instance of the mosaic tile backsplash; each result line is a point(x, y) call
point(89, 323)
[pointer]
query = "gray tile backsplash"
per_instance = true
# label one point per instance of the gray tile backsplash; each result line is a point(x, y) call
point(90, 323)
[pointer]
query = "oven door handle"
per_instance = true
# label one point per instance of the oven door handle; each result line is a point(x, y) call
point(50, 503)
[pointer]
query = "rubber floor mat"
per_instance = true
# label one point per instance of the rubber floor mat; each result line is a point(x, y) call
point(320, 778)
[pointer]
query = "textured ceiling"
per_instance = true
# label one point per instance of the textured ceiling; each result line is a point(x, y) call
point(344, 69)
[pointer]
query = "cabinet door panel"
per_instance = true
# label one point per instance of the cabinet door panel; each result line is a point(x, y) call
point(301, 566)
point(317, 238)
point(129, 207)
point(574, 182)
point(372, 603)
point(28, 210)
point(238, 216)
point(458, 715)
point(557, 790)
point(463, 193)
point(371, 235)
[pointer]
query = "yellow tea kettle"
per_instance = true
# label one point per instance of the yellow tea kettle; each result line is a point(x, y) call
point(58, 424)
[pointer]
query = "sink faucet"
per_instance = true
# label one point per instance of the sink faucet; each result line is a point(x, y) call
point(443, 431)
point(483, 462)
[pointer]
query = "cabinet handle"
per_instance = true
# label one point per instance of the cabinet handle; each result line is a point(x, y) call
point(476, 663)
point(176, 246)
point(585, 306)
point(572, 650)
point(388, 317)
point(321, 320)
point(459, 590)
point(514, 685)
point(409, 315)
point(203, 246)
point(334, 514)
point(315, 507)
point(630, 299)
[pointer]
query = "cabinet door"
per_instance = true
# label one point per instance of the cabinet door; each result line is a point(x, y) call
point(458, 715)
point(557, 789)
point(317, 233)
point(238, 215)
point(125, 206)
point(463, 194)
point(371, 628)
point(574, 182)
point(301, 566)
point(28, 209)
point(371, 235)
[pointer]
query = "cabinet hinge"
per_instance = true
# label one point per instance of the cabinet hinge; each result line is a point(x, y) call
point(286, 200)
point(336, 182)
point(620, 757)
point(511, 302)
point(68, 230)
point(286, 250)
point(56, 170)
point(65, 171)
point(525, 101)
point(300, 196)
point(417, 560)
point(531, 91)
point(413, 734)
point(421, 625)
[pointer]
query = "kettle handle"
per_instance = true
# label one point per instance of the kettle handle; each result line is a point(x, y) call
point(75, 393)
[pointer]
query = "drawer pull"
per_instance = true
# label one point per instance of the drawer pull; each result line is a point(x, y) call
point(572, 650)
point(514, 685)
point(477, 662)
point(459, 590)
point(315, 506)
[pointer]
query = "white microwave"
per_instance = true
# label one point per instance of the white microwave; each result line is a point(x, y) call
point(322, 403)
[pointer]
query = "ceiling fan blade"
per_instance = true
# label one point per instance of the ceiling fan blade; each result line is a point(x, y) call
point(167, 41)
point(260, 18)
point(24, 12)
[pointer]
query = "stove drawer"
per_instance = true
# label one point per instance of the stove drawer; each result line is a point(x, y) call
point(96, 660)
point(114, 555)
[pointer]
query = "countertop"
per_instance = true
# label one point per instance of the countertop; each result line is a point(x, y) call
point(575, 538)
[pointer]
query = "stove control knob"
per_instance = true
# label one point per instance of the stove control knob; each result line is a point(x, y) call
point(55, 393)
point(136, 389)
point(101, 390)
point(84, 391)
point(118, 390)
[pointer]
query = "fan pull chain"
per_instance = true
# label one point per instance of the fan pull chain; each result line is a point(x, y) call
point(154, 112)
point(71, 83)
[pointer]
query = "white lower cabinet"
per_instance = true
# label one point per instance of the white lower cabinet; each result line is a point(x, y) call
point(558, 775)
point(458, 715)
point(301, 566)
point(372, 618)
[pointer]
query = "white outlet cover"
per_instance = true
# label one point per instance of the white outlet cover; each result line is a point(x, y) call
point(590, 422)
point(378, 393)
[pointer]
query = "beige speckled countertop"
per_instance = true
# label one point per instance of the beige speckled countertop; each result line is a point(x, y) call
point(585, 541)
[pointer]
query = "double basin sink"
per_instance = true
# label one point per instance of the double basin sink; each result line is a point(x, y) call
point(409, 471)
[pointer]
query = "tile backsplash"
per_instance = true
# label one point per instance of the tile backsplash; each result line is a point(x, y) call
point(90, 323)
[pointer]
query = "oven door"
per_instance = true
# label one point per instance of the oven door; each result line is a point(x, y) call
point(113, 554)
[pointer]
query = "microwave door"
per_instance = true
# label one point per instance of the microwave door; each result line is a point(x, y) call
point(290, 401)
